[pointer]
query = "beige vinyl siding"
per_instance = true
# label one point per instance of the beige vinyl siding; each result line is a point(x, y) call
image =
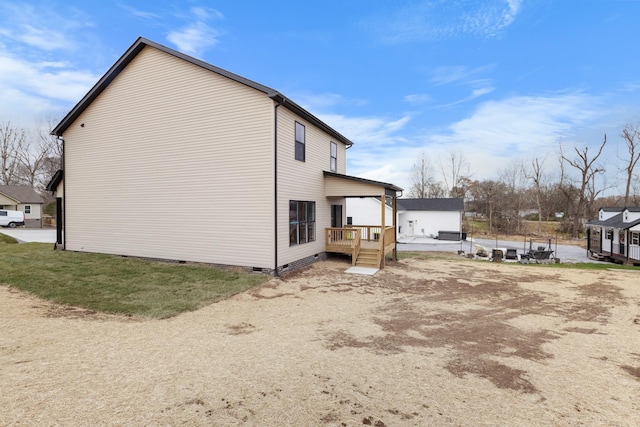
point(338, 186)
point(60, 189)
point(36, 210)
point(5, 201)
point(303, 181)
point(173, 162)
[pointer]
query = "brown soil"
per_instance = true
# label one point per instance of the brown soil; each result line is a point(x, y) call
point(424, 342)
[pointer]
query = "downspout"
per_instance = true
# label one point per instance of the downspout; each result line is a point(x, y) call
point(64, 199)
point(395, 224)
point(275, 187)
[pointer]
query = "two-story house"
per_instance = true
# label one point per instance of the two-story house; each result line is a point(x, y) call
point(173, 158)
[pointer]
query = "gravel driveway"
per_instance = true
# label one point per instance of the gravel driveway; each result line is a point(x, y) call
point(566, 253)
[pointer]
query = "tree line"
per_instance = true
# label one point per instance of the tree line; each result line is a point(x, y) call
point(29, 156)
point(572, 192)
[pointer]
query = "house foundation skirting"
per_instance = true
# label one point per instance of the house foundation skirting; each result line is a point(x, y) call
point(33, 223)
point(284, 269)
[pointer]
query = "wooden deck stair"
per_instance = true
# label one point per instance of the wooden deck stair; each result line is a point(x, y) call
point(368, 258)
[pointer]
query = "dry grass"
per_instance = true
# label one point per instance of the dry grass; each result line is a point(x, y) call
point(423, 342)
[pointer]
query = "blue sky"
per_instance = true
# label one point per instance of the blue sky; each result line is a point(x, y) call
point(499, 81)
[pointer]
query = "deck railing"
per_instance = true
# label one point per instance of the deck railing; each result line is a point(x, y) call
point(369, 233)
point(350, 239)
point(343, 240)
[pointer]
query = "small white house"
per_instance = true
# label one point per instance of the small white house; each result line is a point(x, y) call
point(25, 199)
point(615, 235)
point(437, 218)
point(367, 211)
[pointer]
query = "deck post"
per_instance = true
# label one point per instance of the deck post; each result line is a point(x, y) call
point(383, 199)
point(395, 228)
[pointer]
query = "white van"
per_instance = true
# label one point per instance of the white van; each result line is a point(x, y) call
point(11, 219)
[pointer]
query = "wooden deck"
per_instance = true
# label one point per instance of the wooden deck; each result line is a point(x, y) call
point(366, 244)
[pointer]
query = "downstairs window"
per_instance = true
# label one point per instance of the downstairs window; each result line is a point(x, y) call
point(302, 222)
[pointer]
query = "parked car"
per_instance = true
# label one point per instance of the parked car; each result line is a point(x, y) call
point(11, 219)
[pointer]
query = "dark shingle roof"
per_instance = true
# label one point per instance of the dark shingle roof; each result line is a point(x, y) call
point(21, 193)
point(141, 43)
point(55, 180)
point(616, 221)
point(443, 204)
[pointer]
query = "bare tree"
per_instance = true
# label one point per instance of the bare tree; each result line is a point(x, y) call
point(52, 147)
point(485, 197)
point(631, 136)
point(421, 177)
point(31, 157)
point(424, 184)
point(512, 178)
point(586, 188)
point(535, 175)
point(11, 142)
point(453, 170)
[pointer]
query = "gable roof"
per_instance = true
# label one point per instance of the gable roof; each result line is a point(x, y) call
point(441, 204)
point(616, 221)
point(21, 193)
point(55, 180)
point(141, 43)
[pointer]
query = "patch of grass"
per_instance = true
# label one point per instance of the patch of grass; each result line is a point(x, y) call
point(7, 240)
point(119, 285)
point(578, 265)
point(591, 266)
point(427, 255)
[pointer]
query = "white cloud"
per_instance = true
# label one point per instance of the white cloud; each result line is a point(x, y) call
point(445, 19)
point(44, 28)
point(460, 74)
point(36, 88)
point(139, 13)
point(197, 36)
point(494, 134)
point(417, 98)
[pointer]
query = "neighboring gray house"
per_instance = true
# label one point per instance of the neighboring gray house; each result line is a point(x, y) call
point(171, 157)
point(23, 198)
point(615, 235)
point(439, 218)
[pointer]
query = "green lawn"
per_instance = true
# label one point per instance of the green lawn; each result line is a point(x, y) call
point(114, 284)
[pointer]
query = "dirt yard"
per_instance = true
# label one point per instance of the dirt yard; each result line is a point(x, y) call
point(423, 342)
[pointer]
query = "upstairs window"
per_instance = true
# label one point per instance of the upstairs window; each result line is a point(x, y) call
point(333, 163)
point(300, 141)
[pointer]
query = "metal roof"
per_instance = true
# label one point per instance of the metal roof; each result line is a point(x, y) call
point(141, 43)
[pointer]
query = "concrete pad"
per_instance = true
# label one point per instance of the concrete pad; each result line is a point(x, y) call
point(29, 235)
point(369, 271)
